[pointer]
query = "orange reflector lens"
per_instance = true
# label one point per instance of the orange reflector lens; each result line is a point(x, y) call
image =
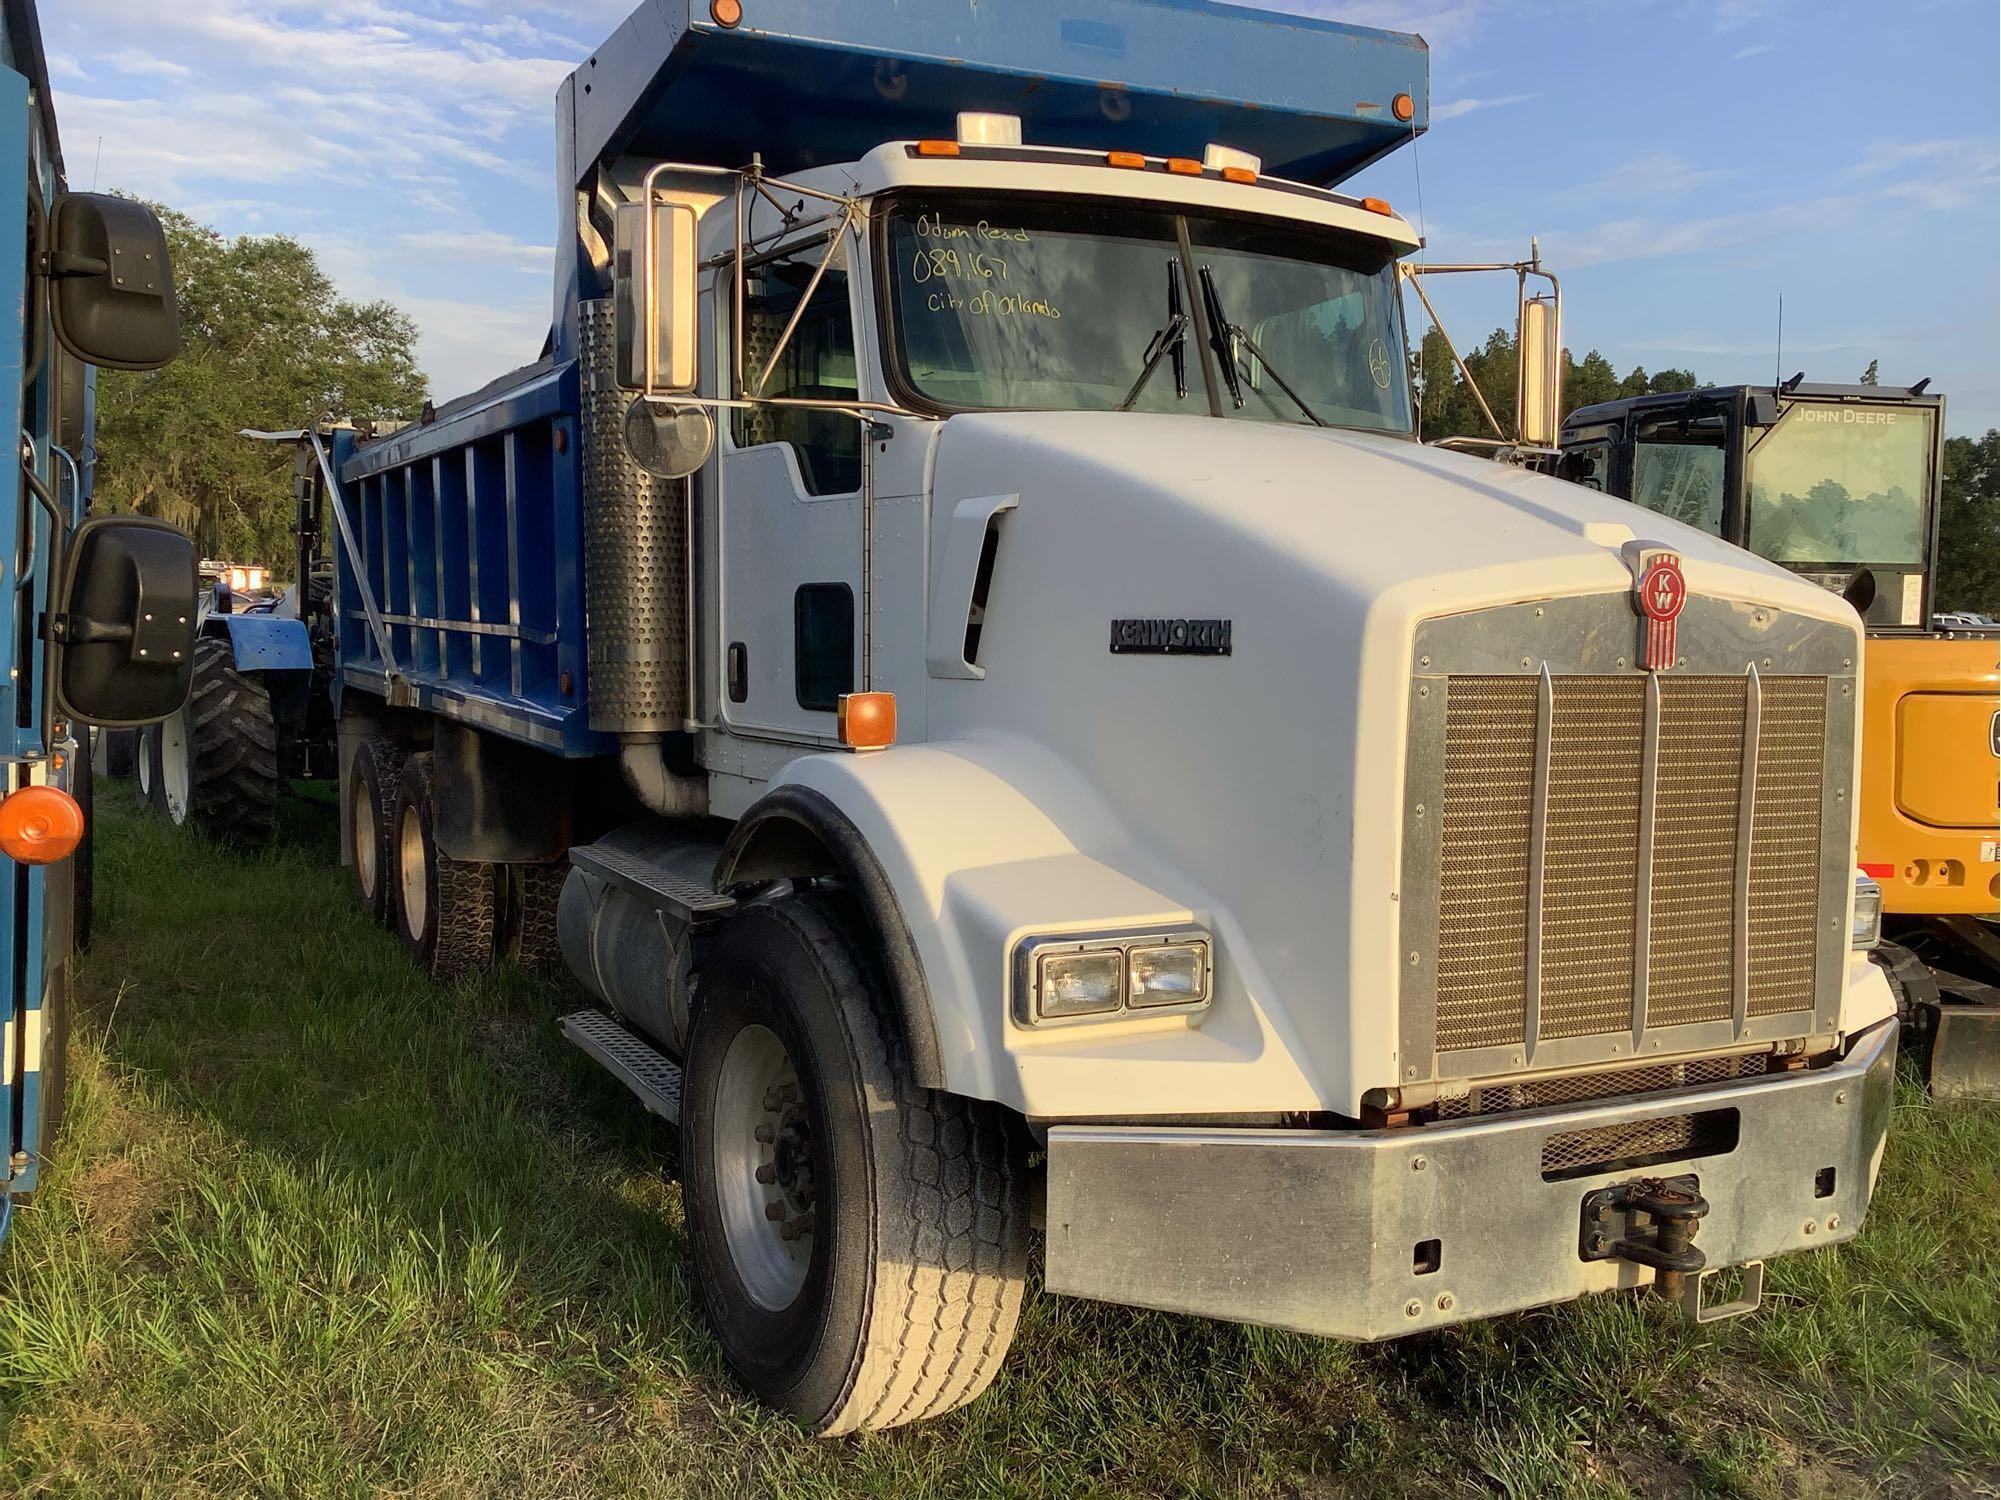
point(726, 12)
point(40, 825)
point(1130, 159)
point(1377, 206)
point(937, 148)
point(1239, 174)
point(1403, 107)
point(1182, 166)
point(865, 721)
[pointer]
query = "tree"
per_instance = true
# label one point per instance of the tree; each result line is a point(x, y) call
point(1969, 550)
point(1449, 409)
point(1869, 375)
point(267, 343)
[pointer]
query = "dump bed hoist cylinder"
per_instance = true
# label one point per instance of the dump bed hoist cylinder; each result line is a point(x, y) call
point(635, 558)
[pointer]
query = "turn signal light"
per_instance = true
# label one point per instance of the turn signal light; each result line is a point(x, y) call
point(1182, 166)
point(937, 148)
point(1129, 159)
point(1377, 206)
point(40, 825)
point(864, 721)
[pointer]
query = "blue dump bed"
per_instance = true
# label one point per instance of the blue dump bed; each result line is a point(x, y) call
point(807, 82)
point(472, 530)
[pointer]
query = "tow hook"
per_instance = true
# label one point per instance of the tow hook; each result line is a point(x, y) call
point(1664, 1239)
point(1659, 1218)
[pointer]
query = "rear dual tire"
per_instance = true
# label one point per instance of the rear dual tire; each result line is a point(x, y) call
point(444, 907)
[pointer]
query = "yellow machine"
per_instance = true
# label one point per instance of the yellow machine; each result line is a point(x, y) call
point(1841, 485)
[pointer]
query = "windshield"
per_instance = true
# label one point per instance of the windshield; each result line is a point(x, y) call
point(1842, 484)
point(1015, 302)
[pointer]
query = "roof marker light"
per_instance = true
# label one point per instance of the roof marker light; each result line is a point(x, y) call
point(1182, 166)
point(1377, 206)
point(1128, 159)
point(1239, 174)
point(977, 128)
point(937, 148)
point(1223, 158)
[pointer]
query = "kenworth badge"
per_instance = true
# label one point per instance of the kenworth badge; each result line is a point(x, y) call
point(1658, 595)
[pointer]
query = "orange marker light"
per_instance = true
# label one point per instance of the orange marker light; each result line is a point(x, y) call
point(1377, 206)
point(1129, 159)
point(937, 148)
point(726, 12)
point(1403, 107)
point(1182, 166)
point(865, 721)
point(40, 825)
point(1239, 174)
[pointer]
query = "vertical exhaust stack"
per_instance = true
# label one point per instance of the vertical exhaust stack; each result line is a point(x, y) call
point(635, 559)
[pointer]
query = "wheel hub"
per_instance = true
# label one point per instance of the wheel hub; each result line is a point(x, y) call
point(367, 829)
point(174, 774)
point(411, 873)
point(764, 1161)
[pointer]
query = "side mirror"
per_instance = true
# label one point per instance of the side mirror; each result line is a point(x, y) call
point(655, 315)
point(123, 622)
point(1539, 388)
point(113, 304)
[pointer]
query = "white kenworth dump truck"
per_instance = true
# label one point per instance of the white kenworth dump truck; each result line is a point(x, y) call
point(1030, 745)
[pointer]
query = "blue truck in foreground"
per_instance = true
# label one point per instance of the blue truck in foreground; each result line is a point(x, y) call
point(96, 613)
point(958, 648)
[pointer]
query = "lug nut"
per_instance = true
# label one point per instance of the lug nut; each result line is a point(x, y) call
point(767, 1174)
point(797, 1228)
point(774, 1211)
point(764, 1135)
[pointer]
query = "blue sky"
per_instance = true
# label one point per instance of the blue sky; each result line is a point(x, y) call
point(1683, 163)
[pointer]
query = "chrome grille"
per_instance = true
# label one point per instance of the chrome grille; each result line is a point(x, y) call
point(1619, 854)
point(1639, 1143)
point(1584, 1088)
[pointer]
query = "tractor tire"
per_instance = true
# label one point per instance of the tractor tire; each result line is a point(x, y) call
point(445, 908)
point(372, 779)
point(215, 763)
point(533, 892)
point(860, 1243)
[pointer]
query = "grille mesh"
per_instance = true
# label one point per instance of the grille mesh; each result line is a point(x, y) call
point(1490, 727)
point(1584, 1088)
point(1785, 845)
point(1639, 1143)
point(1591, 853)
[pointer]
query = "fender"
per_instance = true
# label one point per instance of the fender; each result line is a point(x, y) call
point(264, 643)
point(959, 850)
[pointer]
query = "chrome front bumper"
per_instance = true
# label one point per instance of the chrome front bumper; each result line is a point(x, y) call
point(1330, 1232)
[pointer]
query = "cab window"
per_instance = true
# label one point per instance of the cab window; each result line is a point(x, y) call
point(818, 363)
point(1678, 469)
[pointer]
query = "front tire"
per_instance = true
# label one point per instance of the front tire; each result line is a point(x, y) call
point(861, 1243)
point(444, 906)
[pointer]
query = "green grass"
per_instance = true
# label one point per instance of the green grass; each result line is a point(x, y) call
point(320, 1228)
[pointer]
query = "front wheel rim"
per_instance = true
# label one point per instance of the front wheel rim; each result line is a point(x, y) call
point(412, 874)
point(763, 1156)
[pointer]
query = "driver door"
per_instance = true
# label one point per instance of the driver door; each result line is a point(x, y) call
point(791, 511)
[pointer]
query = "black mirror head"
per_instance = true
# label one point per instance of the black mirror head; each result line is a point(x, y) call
point(113, 304)
point(124, 622)
point(1762, 409)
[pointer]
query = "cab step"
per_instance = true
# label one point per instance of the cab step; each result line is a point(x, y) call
point(629, 1058)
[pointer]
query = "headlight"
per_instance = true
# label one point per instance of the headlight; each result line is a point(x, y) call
point(1078, 984)
point(1072, 978)
point(1867, 930)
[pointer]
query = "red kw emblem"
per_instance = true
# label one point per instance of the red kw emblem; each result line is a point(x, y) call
point(1659, 596)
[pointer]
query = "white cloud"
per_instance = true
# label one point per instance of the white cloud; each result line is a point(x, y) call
point(1757, 50)
point(484, 245)
point(1660, 174)
point(1452, 111)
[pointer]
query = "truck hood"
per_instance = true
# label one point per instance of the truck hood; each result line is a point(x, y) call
point(1259, 790)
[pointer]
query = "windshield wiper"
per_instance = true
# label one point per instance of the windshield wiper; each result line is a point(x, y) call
point(1172, 339)
point(1224, 337)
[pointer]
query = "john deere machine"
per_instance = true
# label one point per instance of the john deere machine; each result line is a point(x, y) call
point(1841, 484)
